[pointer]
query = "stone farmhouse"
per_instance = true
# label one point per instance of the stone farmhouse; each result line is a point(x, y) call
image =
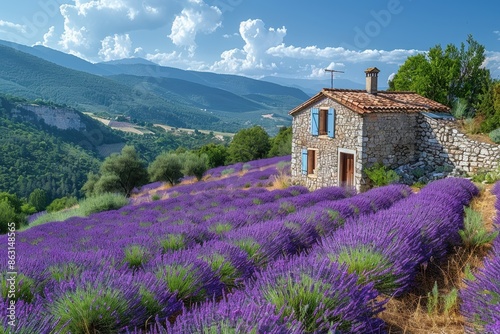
point(338, 133)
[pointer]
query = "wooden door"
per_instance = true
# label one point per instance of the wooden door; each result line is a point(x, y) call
point(346, 164)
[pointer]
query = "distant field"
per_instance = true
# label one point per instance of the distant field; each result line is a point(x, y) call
point(218, 134)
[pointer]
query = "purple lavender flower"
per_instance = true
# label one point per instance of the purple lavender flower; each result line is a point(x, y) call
point(319, 294)
point(235, 313)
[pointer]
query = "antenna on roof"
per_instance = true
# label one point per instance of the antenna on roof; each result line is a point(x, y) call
point(331, 72)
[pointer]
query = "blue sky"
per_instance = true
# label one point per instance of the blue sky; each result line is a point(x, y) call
point(255, 38)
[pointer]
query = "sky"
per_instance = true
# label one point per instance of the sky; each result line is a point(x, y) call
point(256, 38)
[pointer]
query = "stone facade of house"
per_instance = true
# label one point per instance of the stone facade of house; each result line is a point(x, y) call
point(348, 135)
point(388, 138)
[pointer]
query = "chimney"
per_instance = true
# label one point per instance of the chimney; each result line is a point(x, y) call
point(371, 79)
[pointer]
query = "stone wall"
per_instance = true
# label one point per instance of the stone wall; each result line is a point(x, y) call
point(348, 135)
point(441, 144)
point(390, 139)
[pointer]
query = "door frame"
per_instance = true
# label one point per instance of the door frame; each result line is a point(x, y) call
point(341, 153)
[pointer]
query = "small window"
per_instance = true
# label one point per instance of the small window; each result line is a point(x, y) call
point(309, 161)
point(323, 122)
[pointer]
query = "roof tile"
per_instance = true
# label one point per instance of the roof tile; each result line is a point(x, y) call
point(363, 102)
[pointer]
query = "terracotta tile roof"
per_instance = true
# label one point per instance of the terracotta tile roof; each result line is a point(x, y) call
point(384, 101)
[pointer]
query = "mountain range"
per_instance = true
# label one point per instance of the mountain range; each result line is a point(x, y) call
point(142, 90)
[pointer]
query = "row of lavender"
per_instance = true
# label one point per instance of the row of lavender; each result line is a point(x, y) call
point(143, 261)
point(259, 173)
point(316, 293)
point(481, 298)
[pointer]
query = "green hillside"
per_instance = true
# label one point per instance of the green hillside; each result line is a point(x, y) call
point(27, 76)
point(193, 94)
point(235, 84)
point(36, 155)
point(33, 157)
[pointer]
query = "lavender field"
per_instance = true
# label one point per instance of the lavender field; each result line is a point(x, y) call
point(236, 254)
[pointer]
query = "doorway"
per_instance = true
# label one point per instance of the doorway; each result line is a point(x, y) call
point(346, 173)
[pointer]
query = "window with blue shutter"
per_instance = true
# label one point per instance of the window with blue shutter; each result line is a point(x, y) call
point(304, 161)
point(314, 121)
point(331, 123)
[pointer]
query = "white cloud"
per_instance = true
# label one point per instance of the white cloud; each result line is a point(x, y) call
point(492, 62)
point(497, 32)
point(47, 37)
point(163, 59)
point(341, 54)
point(319, 72)
point(266, 53)
point(87, 23)
point(198, 17)
point(253, 56)
point(176, 59)
point(115, 47)
point(12, 26)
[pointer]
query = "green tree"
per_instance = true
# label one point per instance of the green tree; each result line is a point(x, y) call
point(89, 187)
point(118, 173)
point(217, 154)
point(489, 107)
point(7, 215)
point(282, 143)
point(62, 203)
point(249, 144)
point(38, 199)
point(195, 165)
point(166, 167)
point(445, 75)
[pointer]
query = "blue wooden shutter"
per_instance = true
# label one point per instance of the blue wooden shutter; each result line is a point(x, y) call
point(331, 123)
point(314, 121)
point(304, 161)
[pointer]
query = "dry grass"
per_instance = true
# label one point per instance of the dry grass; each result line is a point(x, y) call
point(408, 314)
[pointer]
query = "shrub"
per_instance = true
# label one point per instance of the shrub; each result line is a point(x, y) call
point(86, 207)
point(62, 203)
point(495, 135)
point(184, 280)
point(474, 233)
point(173, 242)
point(91, 310)
point(25, 287)
point(380, 175)
point(65, 271)
point(369, 265)
point(135, 257)
point(102, 202)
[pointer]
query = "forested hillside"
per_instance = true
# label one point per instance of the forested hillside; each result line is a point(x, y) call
point(36, 155)
point(32, 158)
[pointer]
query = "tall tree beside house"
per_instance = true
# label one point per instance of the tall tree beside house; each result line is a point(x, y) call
point(118, 173)
point(489, 107)
point(281, 144)
point(446, 75)
point(249, 144)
